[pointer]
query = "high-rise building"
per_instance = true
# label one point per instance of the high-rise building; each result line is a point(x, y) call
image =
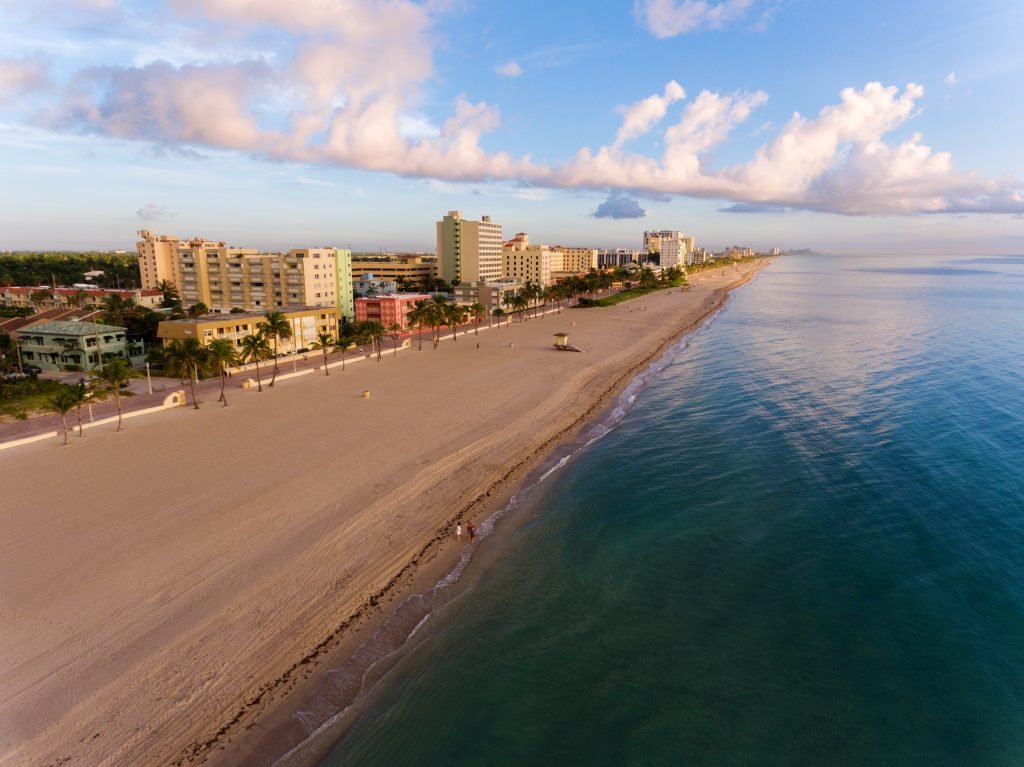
point(158, 259)
point(672, 248)
point(225, 278)
point(574, 260)
point(468, 251)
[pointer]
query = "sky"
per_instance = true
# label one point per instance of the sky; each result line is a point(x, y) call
point(856, 127)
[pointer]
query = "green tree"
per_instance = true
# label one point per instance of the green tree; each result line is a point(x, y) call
point(498, 312)
point(395, 330)
point(220, 355)
point(453, 316)
point(110, 378)
point(198, 309)
point(115, 307)
point(81, 393)
point(419, 318)
point(256, 347)
point(323, 343)
point(171, 297)
point(62, 402)
point(373, 331)
point(183, 359)
point(477, 312)
point(276, 326)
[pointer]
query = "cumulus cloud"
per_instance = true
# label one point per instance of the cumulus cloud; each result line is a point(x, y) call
point(20, 75)
point(153, 212)
point(327, 98)
point(509, 69)
point(669, 18)
point(619, 206)
point(638, 118)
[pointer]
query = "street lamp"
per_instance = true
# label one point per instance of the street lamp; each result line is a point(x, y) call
point(149, 380)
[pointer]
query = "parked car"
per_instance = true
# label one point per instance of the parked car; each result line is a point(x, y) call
point(32, 370)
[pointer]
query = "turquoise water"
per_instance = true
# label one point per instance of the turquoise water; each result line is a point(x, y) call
point(803, 544)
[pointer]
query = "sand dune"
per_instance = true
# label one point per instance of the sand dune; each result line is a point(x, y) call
point(162, 587)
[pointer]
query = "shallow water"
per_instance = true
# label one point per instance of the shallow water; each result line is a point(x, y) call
point(803, 544)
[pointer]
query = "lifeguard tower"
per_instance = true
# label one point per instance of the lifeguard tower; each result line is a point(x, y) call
point(563, 345)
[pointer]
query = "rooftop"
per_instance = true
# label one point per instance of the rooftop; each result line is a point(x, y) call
point(73, 328)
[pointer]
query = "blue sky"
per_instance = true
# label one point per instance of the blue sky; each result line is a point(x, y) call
point(848, 127)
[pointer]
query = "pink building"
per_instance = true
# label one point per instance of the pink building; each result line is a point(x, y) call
point(389, 310)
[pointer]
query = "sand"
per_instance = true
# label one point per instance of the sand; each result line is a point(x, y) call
point(163, 589)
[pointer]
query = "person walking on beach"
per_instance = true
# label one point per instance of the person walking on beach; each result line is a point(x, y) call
point(458, 531)
point(471, 531)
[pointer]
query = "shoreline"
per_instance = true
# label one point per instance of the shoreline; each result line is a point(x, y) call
point(270, 562)
point(278, 726)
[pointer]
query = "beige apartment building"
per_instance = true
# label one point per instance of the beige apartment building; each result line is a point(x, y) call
point(468, 251)
point(223, 277)
point(414, 270)
point(574, 260)
point(527, 263)
point(158, 259)
point(306, 322)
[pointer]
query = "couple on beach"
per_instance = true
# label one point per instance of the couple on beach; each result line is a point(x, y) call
point(470, 531)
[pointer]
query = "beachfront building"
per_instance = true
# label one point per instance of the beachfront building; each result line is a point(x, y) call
point(158, 258)
point(491, 294)
point(74, 345)
point(307, 323)
point(407, 271)
point(527, 263)
point(468, 251)
point(389, 310)
point(224, 277)
point(574, 260)
point(370, 286)
point(78, 295)
point(670, 247)
point(607, 259)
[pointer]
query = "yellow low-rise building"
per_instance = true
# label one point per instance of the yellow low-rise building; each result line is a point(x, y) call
point(306, 324)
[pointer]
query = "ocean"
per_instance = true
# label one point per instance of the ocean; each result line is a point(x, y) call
point(799, 540)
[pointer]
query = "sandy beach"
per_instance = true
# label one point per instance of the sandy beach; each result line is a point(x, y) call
point(164, 589)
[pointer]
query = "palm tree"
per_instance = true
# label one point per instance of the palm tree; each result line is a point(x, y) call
point(198, 309)
point(80, 391)
point(183, 359)
point(62, 402)
point(255, 347)
point(220, 354)
point(396, 331)
point(453, 316)
point(115, 307)
point(436, 315)
point(276, 326)
point(111, 377)
point(323, 342)
point(171, 297)
point(498, 312)
point(374, 332)
point(520, 302)
point(509, 301)
point(477, 312)
point(419, 316)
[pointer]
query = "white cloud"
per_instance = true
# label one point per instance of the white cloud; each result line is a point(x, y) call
point(509, 69)
point(640, 117)
point(18, 76)
point(669, 18)
point(951, 79)
point(328, 99)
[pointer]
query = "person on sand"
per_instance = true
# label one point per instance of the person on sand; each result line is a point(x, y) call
point(458, 531)
point(471, 531)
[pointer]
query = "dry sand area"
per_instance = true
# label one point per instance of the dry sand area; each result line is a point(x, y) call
point(160, 588)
